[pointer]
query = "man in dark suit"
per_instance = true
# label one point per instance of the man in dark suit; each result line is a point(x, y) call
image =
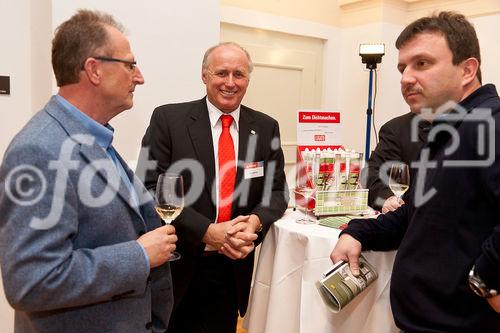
point(81, 247)
point(395, 144)
point(231, 204)
point(446, 274)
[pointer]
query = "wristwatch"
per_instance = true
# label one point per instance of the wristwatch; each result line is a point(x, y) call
point(479, 287)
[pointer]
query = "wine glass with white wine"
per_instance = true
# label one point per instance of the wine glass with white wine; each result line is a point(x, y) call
point(399, 179)
point(170, 200)
point(306, 193)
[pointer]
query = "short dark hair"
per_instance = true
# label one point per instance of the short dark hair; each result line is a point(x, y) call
point(77, 39)
point(457, 30)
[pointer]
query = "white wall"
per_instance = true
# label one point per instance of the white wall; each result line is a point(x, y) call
point(15, 39)
point(168, 38)
point(488, 28)
point(15, 109)
point(355, 77)
point(331, 35)
point(23, 24)
point(41, 67)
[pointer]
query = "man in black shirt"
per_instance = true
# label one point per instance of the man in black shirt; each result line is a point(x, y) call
point(396, 143)
point(447, 271)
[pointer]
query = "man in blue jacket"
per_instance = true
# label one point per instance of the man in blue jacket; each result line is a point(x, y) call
point(81, 247)
point(447, 271)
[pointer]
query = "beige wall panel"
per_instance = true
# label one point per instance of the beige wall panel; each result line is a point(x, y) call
point(320, 11)
point(470, 8)
point(287, 76)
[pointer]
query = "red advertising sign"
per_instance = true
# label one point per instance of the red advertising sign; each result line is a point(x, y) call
point(319, 137)
point(318, 128)
point(319, 117)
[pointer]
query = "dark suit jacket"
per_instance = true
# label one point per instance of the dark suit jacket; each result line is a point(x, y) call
point(182, 132)
point(395, 144)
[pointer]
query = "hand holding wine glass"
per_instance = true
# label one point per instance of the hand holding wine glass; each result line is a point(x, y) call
point(159, 244)
point(170, 199)
point(399, 179)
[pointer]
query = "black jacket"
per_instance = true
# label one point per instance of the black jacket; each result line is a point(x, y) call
point(439, 240)
point(395, 144)
point(182, 132)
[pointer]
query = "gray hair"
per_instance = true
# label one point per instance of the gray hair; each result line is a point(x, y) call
point(204, 64)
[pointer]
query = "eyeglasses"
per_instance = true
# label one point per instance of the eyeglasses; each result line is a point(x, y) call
point(131, 64)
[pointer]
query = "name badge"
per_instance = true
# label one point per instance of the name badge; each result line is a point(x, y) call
point(254, 170)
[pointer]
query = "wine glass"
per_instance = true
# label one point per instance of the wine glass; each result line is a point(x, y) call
point(306, 193)
point(170, 200)
point(399, 179)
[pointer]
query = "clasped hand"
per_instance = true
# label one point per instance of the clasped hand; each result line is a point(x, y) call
point(234, 238)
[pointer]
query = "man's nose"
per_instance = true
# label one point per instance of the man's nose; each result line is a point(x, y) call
point(230, 79)
point(407, 77)
point(138, 78)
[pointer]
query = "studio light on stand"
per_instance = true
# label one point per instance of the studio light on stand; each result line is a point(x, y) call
point(371, 55)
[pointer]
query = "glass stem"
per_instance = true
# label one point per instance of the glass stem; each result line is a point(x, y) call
point(306, 217)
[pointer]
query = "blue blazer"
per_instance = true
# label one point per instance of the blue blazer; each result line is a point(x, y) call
point(68, 228)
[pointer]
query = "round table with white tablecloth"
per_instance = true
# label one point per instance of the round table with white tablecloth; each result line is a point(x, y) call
point(284, 298)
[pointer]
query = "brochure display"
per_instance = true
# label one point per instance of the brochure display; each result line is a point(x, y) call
point(325, 168)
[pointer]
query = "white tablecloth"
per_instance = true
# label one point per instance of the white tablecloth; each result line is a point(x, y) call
point(285, 299)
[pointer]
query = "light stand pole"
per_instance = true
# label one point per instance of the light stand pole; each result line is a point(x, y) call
point(371, 55)
point(369, 112)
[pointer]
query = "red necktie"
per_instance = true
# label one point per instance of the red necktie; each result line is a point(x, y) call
point(227, 170)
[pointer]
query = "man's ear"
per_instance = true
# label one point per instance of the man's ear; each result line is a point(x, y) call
point(470, 67)
point(92, 70)
point(204, 76)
